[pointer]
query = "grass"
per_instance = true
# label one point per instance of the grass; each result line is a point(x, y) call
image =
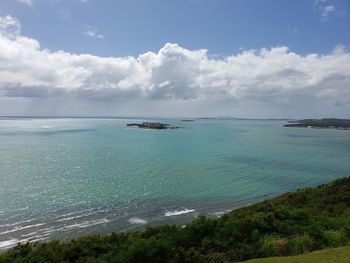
point(334, 255)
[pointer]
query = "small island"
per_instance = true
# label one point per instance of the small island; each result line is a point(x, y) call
point(327, 123)
point(152, 125)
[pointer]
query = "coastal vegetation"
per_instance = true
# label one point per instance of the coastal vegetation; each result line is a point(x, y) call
point(320, 123)
point(291, 224)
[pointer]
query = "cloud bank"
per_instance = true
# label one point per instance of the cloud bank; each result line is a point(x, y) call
point(275, 75)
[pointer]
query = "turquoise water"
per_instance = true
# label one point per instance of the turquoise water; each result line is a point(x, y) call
point(64, 177)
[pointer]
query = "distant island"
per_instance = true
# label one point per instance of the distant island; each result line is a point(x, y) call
point(327, 123)
point(152, 125)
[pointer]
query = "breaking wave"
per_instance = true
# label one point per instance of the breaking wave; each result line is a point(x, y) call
point(178, 212)
point(137, 221)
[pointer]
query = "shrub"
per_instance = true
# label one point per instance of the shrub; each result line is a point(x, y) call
point(334, 238)
point(268, 246)
point(216, 258)
point(282, 246)
point(300, 244)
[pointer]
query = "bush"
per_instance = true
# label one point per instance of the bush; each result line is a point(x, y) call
point(334, 238)
point(300, 244)
point(216, 258)
point(282, 246)
point(268, 246)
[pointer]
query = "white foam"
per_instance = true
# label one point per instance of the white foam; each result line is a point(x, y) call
point(48, 231)
point(29, 234)
point(220, 213)
point(179, 212)
point(19, 228)
point(75, 213)
point(17, 223)
point(73, 217)
point(38, 239)
point(84, 224)
point(11, 243)
point(137, 221)
point(46, 127)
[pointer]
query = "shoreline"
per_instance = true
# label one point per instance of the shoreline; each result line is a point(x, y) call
point(175, 216)
point(316, 127)
point(326, 123)
point(133, 223)
point(273, 227)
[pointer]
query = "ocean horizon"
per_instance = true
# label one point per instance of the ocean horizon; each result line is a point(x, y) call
point(64, 177)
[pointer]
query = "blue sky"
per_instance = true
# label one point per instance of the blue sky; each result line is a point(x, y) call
point(223, 27)
point(240, 58)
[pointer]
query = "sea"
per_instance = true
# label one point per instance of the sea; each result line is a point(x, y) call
point(65, 177)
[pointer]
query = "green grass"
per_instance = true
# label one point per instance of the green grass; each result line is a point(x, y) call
point(334, 255)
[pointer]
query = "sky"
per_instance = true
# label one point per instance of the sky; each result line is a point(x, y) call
point(183, 58)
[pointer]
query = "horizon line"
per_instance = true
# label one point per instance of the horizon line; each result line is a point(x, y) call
point(154, 117)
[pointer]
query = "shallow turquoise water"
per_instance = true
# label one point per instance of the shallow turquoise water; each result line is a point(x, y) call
point(63, 177)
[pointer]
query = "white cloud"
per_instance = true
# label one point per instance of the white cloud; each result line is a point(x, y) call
point(92, 32)
point(9, 27)
point(276, 76)
point(27, 2)
point(324, 9)
point(327, 10)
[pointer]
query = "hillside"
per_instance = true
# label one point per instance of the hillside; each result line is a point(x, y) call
point(333, 255)
point(290, 224)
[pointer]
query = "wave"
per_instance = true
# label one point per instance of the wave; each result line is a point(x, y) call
point(11, 243)
point(17, 223)
point(179, 212)
point(75, 213)
point(84, 224)
point(23, 208)
point(47, 230)
point(219, 213)
point(19, 228)
point(30, 234)
point(38, 239)
point(8, 243)
point(73, 217)
point(137, 221)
